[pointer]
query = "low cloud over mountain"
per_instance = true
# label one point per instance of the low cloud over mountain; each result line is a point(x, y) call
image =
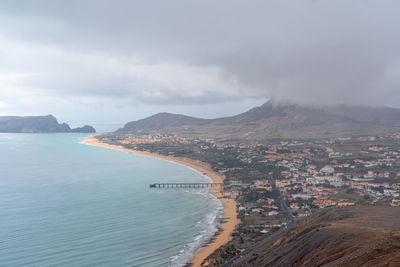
point(121, 53)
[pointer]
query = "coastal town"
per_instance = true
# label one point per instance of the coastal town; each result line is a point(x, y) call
point(278, 182)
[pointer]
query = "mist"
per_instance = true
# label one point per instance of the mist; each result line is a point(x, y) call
point(182, 56)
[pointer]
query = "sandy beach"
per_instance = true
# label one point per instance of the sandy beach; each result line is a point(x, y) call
point(229, 212)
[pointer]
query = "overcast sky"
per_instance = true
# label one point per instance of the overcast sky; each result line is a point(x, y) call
point(114, 61)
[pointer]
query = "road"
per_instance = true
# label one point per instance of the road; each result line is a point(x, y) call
point(282, 203)
point(289, 221)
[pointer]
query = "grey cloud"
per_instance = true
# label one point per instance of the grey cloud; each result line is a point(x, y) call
point(179, 52)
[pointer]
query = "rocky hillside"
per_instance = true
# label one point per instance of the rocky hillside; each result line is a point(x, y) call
point(275, 121)
point(38, 124)
point(161, 121)
point(356, 236)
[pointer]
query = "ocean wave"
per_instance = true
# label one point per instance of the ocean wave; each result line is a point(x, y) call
point(209, 223)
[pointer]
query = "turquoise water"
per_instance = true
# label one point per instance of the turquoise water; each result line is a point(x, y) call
point(63, 203)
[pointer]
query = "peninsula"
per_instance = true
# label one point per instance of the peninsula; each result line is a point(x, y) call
point(38, 124)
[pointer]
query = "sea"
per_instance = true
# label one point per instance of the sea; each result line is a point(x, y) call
point(65, 203)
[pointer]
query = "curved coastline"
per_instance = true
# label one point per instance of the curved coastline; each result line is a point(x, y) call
point(230, 220)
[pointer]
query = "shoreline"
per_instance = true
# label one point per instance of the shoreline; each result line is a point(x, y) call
point(230, 220)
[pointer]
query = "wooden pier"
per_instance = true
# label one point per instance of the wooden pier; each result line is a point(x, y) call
point(183, 185)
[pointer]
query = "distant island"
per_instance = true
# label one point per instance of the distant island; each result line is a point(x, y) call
point(38, 124)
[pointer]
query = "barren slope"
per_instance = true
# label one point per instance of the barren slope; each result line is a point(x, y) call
point(357, 236)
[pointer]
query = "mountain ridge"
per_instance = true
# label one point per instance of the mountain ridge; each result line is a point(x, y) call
point(271, 119)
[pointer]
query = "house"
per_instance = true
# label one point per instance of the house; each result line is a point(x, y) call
point(330, 202)
point(388, 192)
point(395, 203)
point(270, 207)
point(303, 213)
point(257, 210)
point(282, 183)
point(314, 193)
point(302, 196)
point(327, 169)
point(261, 182)
point(319, 203)
point(270, 200)
point(236, 193)
point(345, 204)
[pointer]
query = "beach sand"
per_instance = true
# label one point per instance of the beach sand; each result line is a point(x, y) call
point(230, 219)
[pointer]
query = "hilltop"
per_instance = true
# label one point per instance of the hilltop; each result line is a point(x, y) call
point(38, 124)
point(161, 121)
point(275, 121)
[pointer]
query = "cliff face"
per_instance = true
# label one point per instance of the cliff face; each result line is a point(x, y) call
point(356, 236)
point(37, 124)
